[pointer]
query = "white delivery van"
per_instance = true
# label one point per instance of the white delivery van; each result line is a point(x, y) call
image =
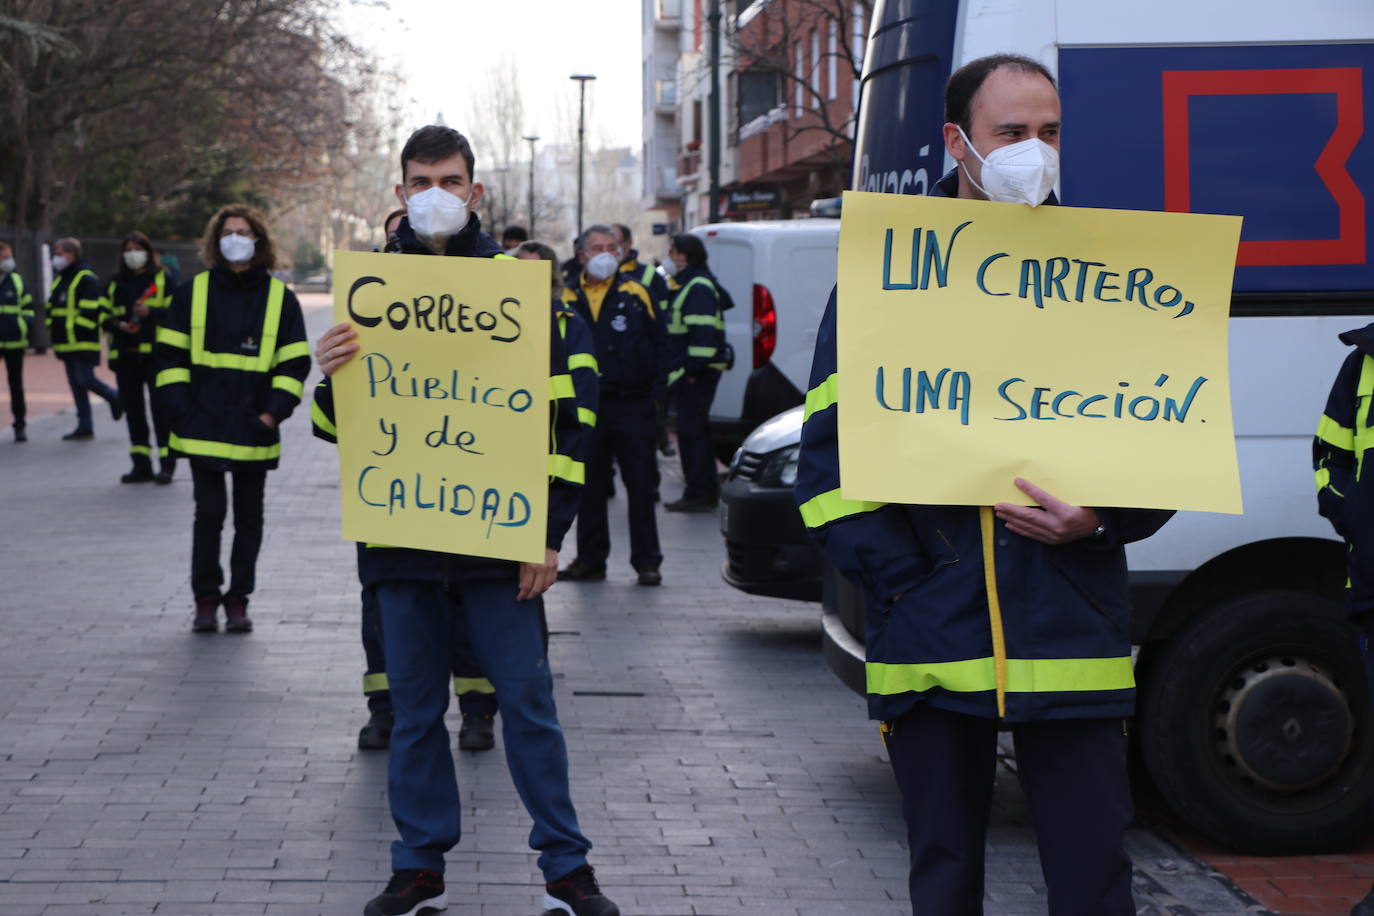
point(779, 273)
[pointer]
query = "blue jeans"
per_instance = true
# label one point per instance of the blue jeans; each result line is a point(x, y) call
point(81, 378)
point(419, 620)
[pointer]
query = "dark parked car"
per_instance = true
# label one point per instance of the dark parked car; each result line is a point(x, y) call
point(768, 552)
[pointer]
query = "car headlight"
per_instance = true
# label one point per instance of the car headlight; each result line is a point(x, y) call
point(780, 468)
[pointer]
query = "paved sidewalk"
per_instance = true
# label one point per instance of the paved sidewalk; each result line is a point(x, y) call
point(718, 766)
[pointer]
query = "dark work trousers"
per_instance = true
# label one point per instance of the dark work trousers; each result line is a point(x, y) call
point(14, 370)
point(133, 374)
point(476, 695)
point(626, 430)
point(1073, 772)
point(82, 379)
point(211, 508)
point(693, 401)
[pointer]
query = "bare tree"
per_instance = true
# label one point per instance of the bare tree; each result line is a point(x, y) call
point(785, 50)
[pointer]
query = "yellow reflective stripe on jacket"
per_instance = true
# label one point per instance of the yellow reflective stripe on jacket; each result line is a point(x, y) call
point(1024, 675)
point(80, 321)
point(586, 417)
point(462, 685)
point(674, 375)
point(1333, 433)
point(210, 449)
point(561, 386)
point(290, 351)
point(289, 385)
point(173, 338)
point(714, 321)
point(173, 376)
point(824, 395)
point(267, 345)
point(583, 361)
point(701, 351)
point(375, 683)
point(319, 419)
point(829, 506)
point(564, 468)
point(69, 312)
point(987, 524)
point(140, 450)
point(1363, 435)
point(676, 325)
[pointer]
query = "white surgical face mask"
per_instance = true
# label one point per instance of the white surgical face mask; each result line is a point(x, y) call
point(60, 262)
point(670, 268)
point(602, 266)
point(136, 258)
point(7, 266)
point(237, 249)
point(1019, 173)
point(435, 214)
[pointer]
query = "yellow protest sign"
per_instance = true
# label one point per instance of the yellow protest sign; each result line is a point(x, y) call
point(1083, 350)
point(443, 415)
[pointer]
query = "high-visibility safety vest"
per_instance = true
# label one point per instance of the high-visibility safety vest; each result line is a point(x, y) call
point(16, 311)
point(1343, 441)
point(156, 296)
point(699, 335)
point(73, 322)
point(231, 388)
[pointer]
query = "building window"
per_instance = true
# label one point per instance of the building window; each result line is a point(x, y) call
point(800, 76)
point(814, 77)
point(758, 94)
point(830, 68)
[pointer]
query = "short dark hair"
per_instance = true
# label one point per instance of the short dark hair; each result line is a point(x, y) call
point(515, 233)
point(435, 143)
point(691, 248)
point(6, 243)
point(544, 253)
point(399, 211)
point(965, 82)
point(596, 229)
point(68, 243)
point(624, 230)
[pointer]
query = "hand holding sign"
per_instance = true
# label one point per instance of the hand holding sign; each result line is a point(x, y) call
point(1054, 522)
point(336, 347)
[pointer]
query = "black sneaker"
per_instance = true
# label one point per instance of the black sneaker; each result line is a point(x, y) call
point(117, 408)
point(78, 435)
point(20, 435)
point(649, 575)
point(164, 476)
point(577, 571)
point(376, 734)
point(578, 894)
point(139, 474)
point(409, 893)
point(476, 734)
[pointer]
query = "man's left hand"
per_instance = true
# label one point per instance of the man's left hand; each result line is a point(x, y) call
point(1054, 522)
point(268, 420)
point(535, 578)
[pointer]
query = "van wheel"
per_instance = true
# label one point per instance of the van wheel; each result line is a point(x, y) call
point(1255, 724)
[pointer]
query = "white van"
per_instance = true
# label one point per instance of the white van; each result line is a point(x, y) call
point(780, 273)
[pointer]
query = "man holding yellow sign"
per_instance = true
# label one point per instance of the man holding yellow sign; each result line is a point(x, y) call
point(984, 356)
point(455, 443)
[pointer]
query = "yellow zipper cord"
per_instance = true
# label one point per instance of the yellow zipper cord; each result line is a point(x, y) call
point(999, 639)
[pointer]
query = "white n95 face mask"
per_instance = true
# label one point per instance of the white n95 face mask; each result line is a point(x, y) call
point(1019, 173)
point(136, 258)
point(601, 266)
point(237, 249)
point(7, 266)
point(60, 263)
point(436, 214)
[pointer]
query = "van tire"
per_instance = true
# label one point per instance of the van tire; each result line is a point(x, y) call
point(1254, 722)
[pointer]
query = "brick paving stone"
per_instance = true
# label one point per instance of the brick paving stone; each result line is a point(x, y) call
point(150, 770)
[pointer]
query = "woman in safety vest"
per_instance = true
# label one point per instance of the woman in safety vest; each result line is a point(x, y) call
point(232, 360)
point(136, 298)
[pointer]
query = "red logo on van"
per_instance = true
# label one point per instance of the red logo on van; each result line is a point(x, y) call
point(1349, 245)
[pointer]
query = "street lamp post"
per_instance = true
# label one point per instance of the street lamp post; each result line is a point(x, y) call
point(531, 214)
point(582, 79)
